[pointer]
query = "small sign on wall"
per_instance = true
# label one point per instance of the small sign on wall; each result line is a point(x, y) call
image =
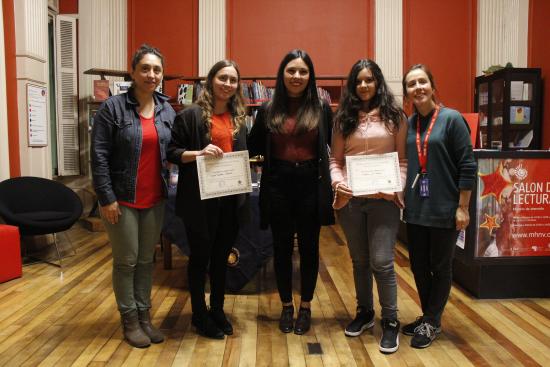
point(37, 118)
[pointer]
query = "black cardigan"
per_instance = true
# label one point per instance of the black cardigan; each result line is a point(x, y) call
point(259, 143)
point(190, 133)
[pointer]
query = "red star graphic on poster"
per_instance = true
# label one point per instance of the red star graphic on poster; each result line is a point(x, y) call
point(490, 223)
point(494, 183)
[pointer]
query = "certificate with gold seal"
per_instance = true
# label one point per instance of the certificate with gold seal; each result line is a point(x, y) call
point(373, 173)
point(227, 175)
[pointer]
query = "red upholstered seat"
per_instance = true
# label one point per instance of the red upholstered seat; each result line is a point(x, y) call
point(10, 253)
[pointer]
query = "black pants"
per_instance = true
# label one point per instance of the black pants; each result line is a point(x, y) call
point(209, 252)
point(293, 202)
point(431, 252)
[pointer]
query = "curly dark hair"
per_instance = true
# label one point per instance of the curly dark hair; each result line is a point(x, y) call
point(347, 120)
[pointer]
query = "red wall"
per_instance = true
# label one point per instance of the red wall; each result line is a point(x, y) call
point(68, 6)
point(539, 57)
point(11, 87)
point(334, 33)
point(442, 35)
point(172, 28)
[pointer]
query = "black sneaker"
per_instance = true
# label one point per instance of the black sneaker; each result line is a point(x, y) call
point(424, 335)
point(409, 329)
point(363, 320)
point(286, 321)
point(389, 342)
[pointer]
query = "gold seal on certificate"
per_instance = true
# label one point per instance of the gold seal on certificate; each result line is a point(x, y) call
point(369, 174)
point(228, 175)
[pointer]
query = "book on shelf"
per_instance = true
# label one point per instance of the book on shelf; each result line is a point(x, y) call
point(120, 87)
point(101, 90)
point(324, 95)
point(197, 89)
point(259, 92)
point(520, 115)
point(185, 94)
point(521, 91)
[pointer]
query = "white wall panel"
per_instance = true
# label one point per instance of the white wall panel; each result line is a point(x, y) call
point(31, 39)
point(389, 42)
point(31, 28)
point(4, 147)
point(502, 33)
point(102, 39)
point(212, 33)
point(102, 43)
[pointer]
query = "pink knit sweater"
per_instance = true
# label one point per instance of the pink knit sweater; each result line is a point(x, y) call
point(370, 137)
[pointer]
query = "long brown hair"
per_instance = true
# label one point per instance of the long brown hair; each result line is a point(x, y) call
point(310, 109)
point(430, 76)
point(236, 105)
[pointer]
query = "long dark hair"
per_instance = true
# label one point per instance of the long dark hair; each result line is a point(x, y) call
point(430, 76)
point(310, 109)
point(346, 119)
point(235, 105)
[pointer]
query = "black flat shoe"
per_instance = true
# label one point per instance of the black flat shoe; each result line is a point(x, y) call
point(303, 321)
point(286, 321)
point(207, 327)
point(221, 321)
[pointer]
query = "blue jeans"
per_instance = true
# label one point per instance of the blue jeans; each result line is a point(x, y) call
point(370, 226)
point(133, 240)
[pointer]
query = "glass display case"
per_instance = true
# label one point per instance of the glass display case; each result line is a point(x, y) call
point(509, 105)
point(505, 251)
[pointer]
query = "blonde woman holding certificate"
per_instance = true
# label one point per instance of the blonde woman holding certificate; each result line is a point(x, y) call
point(212, 127)
point(369, 121)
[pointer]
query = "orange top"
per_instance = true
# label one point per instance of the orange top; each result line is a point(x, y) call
point(222, 132)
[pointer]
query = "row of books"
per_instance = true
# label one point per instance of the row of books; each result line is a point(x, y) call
point(102, 89)
point(254, 93)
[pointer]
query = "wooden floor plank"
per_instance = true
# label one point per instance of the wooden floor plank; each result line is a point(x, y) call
point(71, 320)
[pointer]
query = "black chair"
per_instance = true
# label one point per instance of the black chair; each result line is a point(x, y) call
point(39, 206)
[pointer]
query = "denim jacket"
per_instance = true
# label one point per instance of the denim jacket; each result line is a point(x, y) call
point(116, 145)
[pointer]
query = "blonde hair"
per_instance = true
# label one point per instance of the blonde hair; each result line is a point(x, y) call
point(236, 105)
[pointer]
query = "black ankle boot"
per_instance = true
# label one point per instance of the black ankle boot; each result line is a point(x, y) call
point(286, 321)
point(303, 321)
point(206, 326)
point(221, 321)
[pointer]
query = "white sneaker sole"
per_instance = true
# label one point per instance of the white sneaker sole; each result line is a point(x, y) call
point(357, 333)
point(390, 350)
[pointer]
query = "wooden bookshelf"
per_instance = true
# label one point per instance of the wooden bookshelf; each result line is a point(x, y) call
point(333, 84)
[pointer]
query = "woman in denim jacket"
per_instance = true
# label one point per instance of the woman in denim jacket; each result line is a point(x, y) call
point(130, 135)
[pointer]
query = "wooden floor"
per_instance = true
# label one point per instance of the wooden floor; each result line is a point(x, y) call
point(49, 320)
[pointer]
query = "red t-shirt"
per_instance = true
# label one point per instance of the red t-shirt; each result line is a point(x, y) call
point(149, 182)
point(222, 132)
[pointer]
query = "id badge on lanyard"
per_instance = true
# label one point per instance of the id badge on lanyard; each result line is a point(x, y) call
point(424, 186)
point(422, 176)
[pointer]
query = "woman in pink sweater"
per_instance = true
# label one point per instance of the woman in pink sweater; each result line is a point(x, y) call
point(369, 121)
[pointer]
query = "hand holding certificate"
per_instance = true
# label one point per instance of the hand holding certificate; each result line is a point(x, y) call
point(228, 175)
point(370, 174)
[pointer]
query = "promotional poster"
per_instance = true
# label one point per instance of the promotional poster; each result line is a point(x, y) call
point(513, 215)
